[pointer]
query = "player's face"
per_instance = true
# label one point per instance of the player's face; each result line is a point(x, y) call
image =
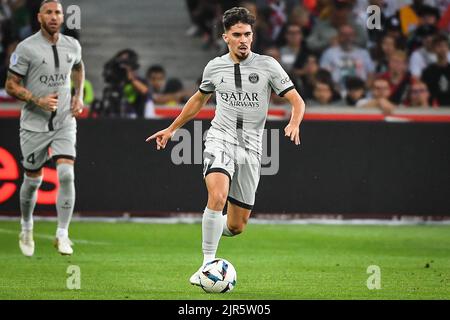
point(51, 17)
point(239, 39)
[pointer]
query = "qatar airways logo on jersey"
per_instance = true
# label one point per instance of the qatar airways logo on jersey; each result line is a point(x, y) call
point(54, 80)
point(240, 99)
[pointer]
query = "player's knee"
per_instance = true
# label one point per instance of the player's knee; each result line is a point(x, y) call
point(33, 182)
point(217, 199)
point(65, 173)
point(236, 229)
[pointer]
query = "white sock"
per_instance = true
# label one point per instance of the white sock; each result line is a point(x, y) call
point(27, 225)
point(225, 231)
point(65, 200)
point(211, 231)
point(28, 198)
point(62, 233)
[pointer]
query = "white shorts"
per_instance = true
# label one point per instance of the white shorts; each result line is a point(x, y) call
point(35, 146)
point(243, 168)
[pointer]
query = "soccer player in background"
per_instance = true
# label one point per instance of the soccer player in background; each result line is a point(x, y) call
point(243, 81)
point(40, 74)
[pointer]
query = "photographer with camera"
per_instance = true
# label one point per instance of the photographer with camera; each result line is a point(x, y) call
point(122, 96)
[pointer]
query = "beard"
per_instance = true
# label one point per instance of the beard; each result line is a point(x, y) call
point(49, 29)
point(242, 56)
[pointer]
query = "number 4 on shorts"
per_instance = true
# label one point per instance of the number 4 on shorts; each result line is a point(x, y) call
point(30, 159)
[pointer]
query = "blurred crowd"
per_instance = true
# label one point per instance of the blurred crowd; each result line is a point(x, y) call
point(336, 58)
point(331, 52)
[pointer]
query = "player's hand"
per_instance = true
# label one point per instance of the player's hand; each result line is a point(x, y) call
point(76, 106)
point(293, 132)
point(161, 138)
point(48, 103)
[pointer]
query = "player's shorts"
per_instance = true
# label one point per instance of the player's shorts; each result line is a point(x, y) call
point(35, 146)
point(242, 166)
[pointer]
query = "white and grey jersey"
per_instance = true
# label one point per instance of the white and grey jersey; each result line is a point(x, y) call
point(243, 93)
point(46, 68)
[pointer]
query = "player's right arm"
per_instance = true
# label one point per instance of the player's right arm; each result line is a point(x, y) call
point(15, 89)
point(190, 110)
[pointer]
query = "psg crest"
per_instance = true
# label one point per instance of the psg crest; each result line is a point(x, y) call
point(253, 78)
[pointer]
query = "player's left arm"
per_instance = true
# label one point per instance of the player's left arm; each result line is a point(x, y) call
point(78, 76)
point(292, 130)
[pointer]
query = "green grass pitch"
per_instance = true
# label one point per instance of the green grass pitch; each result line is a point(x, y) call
point(154, 261)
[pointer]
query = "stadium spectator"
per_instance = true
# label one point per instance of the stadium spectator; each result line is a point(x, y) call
point(298, 15)
point(156, 90)
point(347, 60)
point(324, 94)
point(419, 95)
point(437, 75)
point(444, 22)
point(423, 55)
point(273, 52)
point(277, 17)
point(356, 90)
point(293, 54)
point(312, 73)
point(379, 97)
point(301, 16)
point(420, 35)
point(325, 31)
point(393, 29)
point(163, 91)
point(398, 77)
point(408, 16)
point(383, 51)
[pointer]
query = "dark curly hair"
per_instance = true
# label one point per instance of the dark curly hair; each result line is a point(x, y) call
point(49, 1)
point(235, 15)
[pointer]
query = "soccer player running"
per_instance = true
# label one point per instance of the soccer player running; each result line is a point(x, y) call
point(40, 74)
point(243, 81)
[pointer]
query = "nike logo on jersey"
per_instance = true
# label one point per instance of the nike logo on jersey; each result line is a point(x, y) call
point(221, 81)
point(43, 61)
point(69, 59)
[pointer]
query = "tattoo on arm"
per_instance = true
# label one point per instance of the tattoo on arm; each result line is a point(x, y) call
point(15, 88)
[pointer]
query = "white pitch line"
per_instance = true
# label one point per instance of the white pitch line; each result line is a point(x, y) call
point(192, 219)
point(48, 237)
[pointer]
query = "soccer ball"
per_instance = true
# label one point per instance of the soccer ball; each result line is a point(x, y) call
point(218, 276)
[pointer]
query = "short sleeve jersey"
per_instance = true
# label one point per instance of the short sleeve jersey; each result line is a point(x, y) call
point(46, 68)
point(243, 93)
